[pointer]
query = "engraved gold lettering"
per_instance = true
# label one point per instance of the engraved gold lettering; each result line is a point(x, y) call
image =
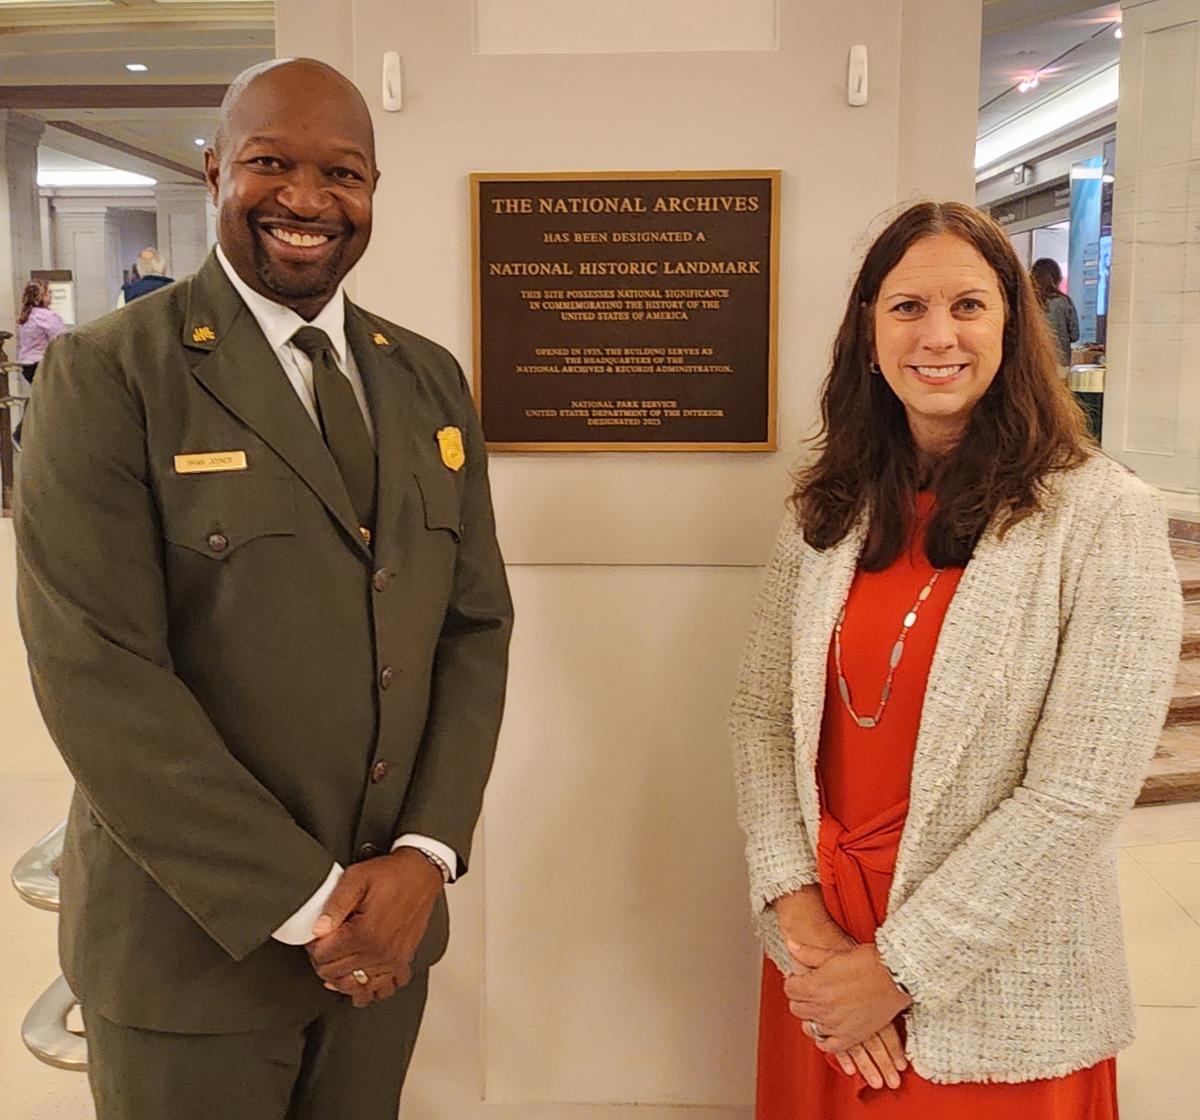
point(209, 461)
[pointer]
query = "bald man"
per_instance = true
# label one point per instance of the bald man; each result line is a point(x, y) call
point(151, 272)
point(267, 623)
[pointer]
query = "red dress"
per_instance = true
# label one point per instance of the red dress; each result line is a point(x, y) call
point(864, 778)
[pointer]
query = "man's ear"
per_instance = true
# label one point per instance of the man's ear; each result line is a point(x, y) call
point(212, 173)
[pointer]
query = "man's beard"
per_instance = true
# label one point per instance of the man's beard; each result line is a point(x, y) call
point(311, 284)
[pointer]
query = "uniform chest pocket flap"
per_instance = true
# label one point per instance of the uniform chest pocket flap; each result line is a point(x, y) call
point(217, 514)
point(439, 499)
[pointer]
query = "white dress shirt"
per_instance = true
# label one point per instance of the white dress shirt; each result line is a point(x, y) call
point(278, 323)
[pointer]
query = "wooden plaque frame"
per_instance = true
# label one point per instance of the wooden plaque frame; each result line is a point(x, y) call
point(755, 387)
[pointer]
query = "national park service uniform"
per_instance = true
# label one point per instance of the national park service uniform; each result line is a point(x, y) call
point(246, 682)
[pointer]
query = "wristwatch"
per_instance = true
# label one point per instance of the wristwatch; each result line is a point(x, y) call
point(437, 862)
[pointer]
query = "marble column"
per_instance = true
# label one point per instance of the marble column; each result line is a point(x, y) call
point(182, 226)
point(87, 241)
point(1152, 399)
point(20, 225)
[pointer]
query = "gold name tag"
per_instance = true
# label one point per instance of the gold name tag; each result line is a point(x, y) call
point(210, 461)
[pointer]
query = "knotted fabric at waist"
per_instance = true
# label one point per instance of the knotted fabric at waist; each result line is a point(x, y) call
point(856, 868)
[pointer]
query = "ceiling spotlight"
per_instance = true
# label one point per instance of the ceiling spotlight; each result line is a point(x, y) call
point(1119, 33)
point(136, 67)
point(199, 141)
point(1033, 82)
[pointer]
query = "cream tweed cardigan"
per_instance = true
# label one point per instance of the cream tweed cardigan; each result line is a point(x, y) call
point(1046, 695)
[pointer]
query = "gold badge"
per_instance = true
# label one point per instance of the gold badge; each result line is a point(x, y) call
point(206, 462)
point(203, 334)
point(451, 443)
point(365, 533)
point(379, 339)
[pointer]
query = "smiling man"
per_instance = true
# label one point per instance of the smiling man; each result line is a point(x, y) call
point(293, 232)
point(267, 623)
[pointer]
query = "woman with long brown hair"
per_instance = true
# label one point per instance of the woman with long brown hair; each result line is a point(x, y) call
point(961, 659)
point(1057, 306)
point(37, 326)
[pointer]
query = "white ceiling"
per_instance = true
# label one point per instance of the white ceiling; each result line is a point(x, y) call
point(58, 169)
point(207, 42)
point(97, 55)
point(169, 133)
point(60, 43)
point(1063, 43)
point(50, 160)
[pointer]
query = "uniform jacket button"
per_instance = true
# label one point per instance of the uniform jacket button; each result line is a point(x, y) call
point(381, 579)
point(366, 851)
point(218, 542)
point(380, 769)
point(386, 675)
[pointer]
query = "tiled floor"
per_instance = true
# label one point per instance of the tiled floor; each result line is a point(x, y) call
point(34, 791)
point(1160, 882)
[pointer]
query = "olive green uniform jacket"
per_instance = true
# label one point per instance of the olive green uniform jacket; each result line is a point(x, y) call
point(223, 661)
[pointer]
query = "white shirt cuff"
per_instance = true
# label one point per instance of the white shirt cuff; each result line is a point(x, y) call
point(297, 930)
point(445, 853)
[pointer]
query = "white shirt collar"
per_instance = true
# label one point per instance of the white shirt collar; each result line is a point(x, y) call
point(278, 323)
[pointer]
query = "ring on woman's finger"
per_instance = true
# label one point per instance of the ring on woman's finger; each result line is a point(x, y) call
point(816, 1032)
point(361, 976)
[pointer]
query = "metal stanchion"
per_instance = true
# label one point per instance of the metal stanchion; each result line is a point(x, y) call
point(45, 1031)
point(36, 873)
point(8, 405)
point(10, 401)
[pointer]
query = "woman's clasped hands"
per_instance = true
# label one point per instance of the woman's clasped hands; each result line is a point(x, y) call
point(852, 1001)
point(842, 993)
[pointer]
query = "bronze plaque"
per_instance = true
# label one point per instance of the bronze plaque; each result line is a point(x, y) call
point(626, 311)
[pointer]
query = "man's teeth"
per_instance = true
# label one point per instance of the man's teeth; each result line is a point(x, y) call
point(942, 372)
point(304, 240)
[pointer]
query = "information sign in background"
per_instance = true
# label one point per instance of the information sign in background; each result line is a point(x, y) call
point(626, 311)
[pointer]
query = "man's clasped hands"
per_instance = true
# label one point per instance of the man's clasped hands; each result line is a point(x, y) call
point(372, 924)
point(843, 990)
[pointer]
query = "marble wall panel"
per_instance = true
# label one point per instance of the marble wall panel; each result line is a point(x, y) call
point(1152, 422)
point(619, 964)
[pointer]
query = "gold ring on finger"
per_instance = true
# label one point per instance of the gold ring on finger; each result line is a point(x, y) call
point(360, 976)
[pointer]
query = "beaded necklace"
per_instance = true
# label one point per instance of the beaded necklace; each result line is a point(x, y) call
point(910, 620)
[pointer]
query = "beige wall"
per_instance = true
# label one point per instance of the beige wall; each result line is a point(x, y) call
point(601, 952)
point(1152, 399)
point(938, 38)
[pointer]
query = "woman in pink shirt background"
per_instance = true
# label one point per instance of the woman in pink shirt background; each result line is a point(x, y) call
point(37, 325)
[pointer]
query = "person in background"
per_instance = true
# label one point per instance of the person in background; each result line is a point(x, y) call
point(37, 326)
point(954, 504)
point(151, 275)
point(1060, 311)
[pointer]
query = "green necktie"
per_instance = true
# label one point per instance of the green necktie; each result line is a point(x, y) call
point(342, 423)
